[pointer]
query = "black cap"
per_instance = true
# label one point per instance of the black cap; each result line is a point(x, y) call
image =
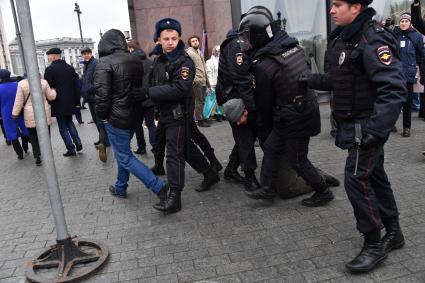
point(54, 50)
point(86, 49)
point(167, 23)
point(363, 2)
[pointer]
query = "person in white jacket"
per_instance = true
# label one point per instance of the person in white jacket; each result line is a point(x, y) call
point(212, 73)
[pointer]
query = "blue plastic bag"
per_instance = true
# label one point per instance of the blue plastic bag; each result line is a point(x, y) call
point(210, 104)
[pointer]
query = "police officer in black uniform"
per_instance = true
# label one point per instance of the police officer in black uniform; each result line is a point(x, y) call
point(283, 102)
point(170, 89)
point(366, 77)
point(235, 81)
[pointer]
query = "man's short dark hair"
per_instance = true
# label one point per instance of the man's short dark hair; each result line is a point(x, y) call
point(190, 38)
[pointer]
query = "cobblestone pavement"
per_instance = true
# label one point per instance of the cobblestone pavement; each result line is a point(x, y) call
point(220, 235)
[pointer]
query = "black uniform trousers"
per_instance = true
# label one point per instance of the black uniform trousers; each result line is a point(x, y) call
point(244, 136)
point(34, 141)
point(297, 151)
point(407, 107)
point(369, 191)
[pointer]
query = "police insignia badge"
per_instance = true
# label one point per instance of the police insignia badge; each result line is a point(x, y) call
point(341, 58)
point(384, 55)
point(184, 73)
point(239, 58)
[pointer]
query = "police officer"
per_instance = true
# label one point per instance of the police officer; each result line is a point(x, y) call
point(283, 102)
point(235, 81)
point(368, 85)
point(170, 89)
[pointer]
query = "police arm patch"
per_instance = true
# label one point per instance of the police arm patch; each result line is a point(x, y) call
point(184, 73)
point(384, 55)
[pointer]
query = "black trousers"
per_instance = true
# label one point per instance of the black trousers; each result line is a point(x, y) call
point(2, 128)
point(244, 136)
point(407, 107)
point(200, 140)
point(369, 191)
point(297, 151)
point(103, 136)
point(20, 149)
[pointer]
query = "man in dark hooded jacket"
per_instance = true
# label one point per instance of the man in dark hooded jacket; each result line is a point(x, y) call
point(117, 86)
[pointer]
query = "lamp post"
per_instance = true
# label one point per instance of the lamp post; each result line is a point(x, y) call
point(78, 11)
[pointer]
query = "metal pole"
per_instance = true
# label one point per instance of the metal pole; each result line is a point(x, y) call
point(25, 23)
point(78, 11)
point(18, 35)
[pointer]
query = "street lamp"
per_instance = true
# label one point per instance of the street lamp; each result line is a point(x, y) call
point(78, 11)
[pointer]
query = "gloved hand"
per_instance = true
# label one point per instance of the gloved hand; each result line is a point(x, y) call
point(368, 142)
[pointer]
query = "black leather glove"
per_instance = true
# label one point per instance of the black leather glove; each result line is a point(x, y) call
point(368, 142)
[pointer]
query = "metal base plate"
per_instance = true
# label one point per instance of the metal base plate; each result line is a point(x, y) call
point(67, 261)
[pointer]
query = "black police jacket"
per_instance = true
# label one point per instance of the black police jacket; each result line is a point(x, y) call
point(117, 74)
point(277, 68)
point(171, 79)
point(374, 62)
point(235, 79)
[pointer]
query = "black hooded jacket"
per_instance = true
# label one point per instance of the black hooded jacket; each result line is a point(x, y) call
point(116, 74)
point(276, 85)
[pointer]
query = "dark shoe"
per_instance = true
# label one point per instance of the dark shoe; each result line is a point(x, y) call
point(393, 238)
point(215, 164)
point(406, 133)
point(394, 129)
point(158, 169)
point(102, 152)
point(80, 123)
point(203, 123)
point(330, 180)
point(267, 192)
point(140, 150)
point(70, 153)
point(219, 118)
point(173, 203)
point(231, 173)
point(210, 178)
point(114, 192)
point(38, 161)
point(162, 195)
point(79, 147)
point(96, 143)
point(318, 199)
point(20, 157)
point(371, 255)
point(251, 182)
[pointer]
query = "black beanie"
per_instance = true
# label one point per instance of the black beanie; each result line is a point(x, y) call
point(363, 2)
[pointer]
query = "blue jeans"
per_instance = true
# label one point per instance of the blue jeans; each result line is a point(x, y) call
point(415, 101)
point(68, 132)
point(127, 163)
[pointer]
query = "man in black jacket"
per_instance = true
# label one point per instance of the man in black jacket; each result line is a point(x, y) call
point(64, 80)
point(117, 86)
point(365, 69)
point(87, 92)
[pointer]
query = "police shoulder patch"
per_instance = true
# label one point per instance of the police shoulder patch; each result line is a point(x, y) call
point(184, 73)
point(239, 58)
point(384, 55)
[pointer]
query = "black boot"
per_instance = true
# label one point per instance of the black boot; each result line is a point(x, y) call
point(173, 203)
point(321, 197)
point(210, 178)
point(18, 148)
point(162, 195)
point(371, 255)
point(215, 164)
point(231, 173)
point(265, 192)
point(329, 179)
point(393, 238)
point(251, 182)
point(158, 168)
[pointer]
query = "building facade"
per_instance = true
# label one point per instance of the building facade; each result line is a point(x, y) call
point(4, 49)
point(70, 53)
point(307, 20)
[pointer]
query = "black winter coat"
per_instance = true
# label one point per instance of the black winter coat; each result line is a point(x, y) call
point(87, 88)
point(62, 77)
point(140, 54)
point(116, 75)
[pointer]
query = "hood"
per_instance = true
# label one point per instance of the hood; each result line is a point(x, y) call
point(232, 33)
point(347, 32)
point(139, 53)
point(113, 40)
point(173, 55)
point(281, 41)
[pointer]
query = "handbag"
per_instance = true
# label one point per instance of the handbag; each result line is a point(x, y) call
point(21, 113)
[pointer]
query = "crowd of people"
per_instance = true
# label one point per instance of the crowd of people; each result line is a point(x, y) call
point(259, 80)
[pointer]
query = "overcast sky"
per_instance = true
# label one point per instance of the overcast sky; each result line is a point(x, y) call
point(56, 18)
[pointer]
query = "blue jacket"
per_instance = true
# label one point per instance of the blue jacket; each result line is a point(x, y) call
point(412, 51)
point(87, 88)
point(7, 100)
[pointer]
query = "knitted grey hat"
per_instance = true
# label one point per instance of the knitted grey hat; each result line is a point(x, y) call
point(233, 109)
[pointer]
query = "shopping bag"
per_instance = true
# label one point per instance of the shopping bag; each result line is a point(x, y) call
point(210, 103)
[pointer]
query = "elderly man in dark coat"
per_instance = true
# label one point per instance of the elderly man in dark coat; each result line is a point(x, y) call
point(64, 80)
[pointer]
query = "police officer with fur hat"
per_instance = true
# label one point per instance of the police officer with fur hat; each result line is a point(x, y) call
point(369, 88)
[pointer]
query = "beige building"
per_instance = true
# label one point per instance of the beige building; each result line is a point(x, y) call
point(4, 49)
